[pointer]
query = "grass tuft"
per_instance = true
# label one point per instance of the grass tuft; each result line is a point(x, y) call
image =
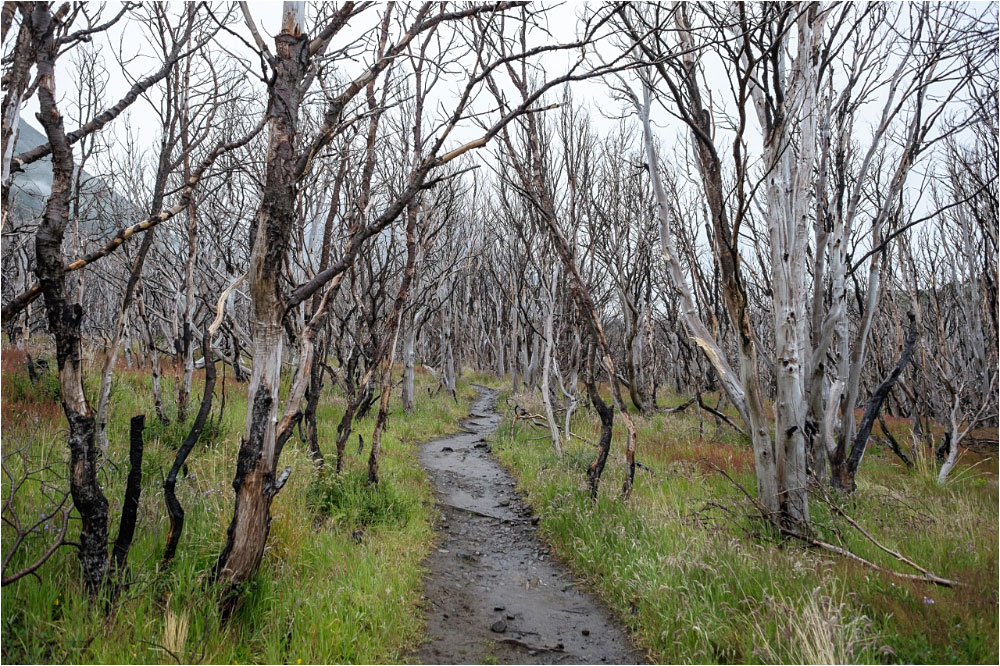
point(349, 500)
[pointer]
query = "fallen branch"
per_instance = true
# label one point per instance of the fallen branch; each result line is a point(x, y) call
point(716, 413)
point(521, 414)
point(925, 577)
point(678, 408)
point(905, 560)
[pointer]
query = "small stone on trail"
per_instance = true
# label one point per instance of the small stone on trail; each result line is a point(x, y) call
point(532, 653)
point(498, 627)
point(510, 617)
point(446, 449)
point(504, 503)
point(585, 632)
point(499, 608)
point(534, 520)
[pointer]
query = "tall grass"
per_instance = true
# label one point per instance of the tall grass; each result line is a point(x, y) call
point(698, 581)
point(338, 583)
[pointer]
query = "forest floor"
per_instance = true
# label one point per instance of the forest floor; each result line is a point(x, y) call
point(342, 576)
point(351, 573)
point(494, 593)
point(696, 578)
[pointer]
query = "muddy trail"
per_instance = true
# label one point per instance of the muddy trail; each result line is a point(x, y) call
point(493, 592)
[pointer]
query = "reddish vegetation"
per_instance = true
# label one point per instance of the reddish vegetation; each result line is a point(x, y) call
point(27, 404)
point(706, 454)
point(23, 403)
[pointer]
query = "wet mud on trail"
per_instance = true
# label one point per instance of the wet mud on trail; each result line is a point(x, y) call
point(493, 593)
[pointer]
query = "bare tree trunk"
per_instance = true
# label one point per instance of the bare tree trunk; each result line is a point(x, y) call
point(174, 509)
point(550, 305)
point(447, 347)
point(64, 318)
point(409, 342)
point(255, 482)
point(515, 336)
point(154, 362)
point(844, 471)
point(107, 372)
point(391, 338)
point(187, 321)
point(16, 85)
point(309, 415)
point(607, 416)
point(133, 491)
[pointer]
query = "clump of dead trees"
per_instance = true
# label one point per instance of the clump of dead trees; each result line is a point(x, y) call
point(793, 209)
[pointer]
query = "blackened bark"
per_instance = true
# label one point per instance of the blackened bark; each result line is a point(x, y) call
point(133, 490)
point(64, 317)
point(844, 471)
point(254, 483)
point(309, 416)
point(237, 353)
point(254, 486)
point(607, 415)
point(347, 421)
point(893, 444)
point(174, 509)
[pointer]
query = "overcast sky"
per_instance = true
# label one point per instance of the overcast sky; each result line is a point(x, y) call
point(130, 39)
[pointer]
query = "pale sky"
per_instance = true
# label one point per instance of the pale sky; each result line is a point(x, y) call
point(132, 40)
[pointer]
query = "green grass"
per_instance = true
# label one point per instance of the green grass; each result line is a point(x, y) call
point(324, 594)
point(698, 581)
point(680, 563)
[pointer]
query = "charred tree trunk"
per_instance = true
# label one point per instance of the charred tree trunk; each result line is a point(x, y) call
point(255, 482)
point(133, 490)
point(844, 465)
point(64, 317)
point(174, 509)
point(309, 415)
point(607, 416)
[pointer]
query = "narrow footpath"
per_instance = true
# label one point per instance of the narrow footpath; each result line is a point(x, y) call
point(493, 592)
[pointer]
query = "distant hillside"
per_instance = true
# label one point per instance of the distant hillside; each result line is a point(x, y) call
point(30, 188)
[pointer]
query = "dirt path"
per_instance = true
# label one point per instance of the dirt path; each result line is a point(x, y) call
point(493, 592)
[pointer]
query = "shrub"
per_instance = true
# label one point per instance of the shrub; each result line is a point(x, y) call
point(349, 499)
